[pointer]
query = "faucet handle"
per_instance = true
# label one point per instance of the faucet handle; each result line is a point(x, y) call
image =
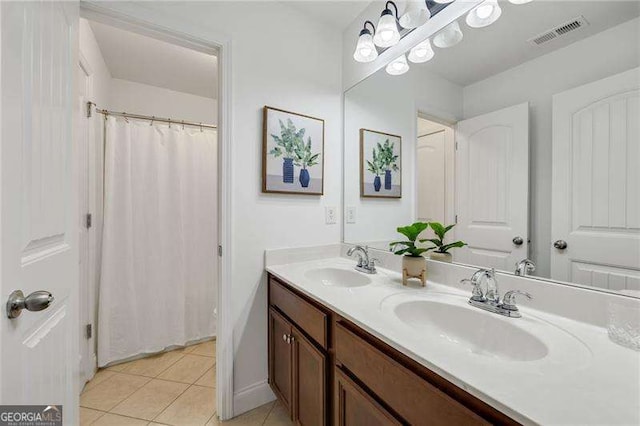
point(509, 299)
point(476, 293)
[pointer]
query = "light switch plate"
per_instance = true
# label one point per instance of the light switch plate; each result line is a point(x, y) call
point(330, 215)
point(351, 214)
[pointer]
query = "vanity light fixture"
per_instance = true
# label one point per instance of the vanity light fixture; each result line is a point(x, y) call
point(449, 36)
point(519, 1)
point(365, 48)
point(486, 13)
point(416, 14)
point(422, 52)
point(387, 33)
point(443, 1)
point(398, 66)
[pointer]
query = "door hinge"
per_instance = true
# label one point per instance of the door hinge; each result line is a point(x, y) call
point(456, 219)
point(456, 145)
point(89, 111)
point(88, 331)
point(219, 251)
point(88, 220)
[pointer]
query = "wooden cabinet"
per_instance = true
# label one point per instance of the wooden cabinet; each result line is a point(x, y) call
point(355, 407)
point(327, 370)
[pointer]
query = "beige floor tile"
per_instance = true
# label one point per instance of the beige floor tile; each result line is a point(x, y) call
point(278, 416)
point(188, 369)
point(205, 348)
point(194, 407)
point(149, 401)
point(117, 367)
point(98, 378)
point(208, 378)
point(115, 420)
point(254, 417)
point(153, 365)
point(112, 391)
point(88, 416)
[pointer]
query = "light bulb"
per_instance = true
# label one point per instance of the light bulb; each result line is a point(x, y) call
point(449, 36)
point(422, 52)
point(365, 49)
point(416, 14)
point(484, 14)
point(398, 66)
point(387, 30)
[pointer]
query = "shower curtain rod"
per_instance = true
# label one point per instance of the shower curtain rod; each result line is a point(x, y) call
point(146, 117)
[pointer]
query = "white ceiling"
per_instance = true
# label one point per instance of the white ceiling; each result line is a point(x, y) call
point(134, 57)
point(336, 13)
point(487, 51)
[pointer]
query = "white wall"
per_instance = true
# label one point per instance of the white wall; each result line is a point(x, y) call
point(144, 99)
point(604, 54)
point(390, 104)
point(294, 65)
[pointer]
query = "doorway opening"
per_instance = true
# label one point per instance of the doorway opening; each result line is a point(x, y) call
point(149, 234)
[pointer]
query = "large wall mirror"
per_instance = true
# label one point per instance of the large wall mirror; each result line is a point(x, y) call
point(525, 134)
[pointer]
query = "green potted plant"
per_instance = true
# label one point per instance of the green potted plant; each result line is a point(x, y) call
point(305, 158)
point(441, 250)
point(290, 138)
point(414, 264)
point(388, 160)
point(375, 166)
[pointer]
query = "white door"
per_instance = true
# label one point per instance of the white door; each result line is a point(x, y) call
point(596, 183)
point(39, 249)
point(492, 181)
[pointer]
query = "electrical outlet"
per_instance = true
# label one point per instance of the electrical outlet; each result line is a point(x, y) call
point(351, 214)
point(330, 215)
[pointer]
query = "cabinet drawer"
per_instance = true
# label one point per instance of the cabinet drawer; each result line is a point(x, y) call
point(409, 395)
point(307, 317)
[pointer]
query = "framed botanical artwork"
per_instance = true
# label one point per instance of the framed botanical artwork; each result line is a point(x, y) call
point(380, 164)
point(292, 153)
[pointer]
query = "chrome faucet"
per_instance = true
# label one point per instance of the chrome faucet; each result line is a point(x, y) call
point(489, 300)
point(365, 263)
point(525, 267)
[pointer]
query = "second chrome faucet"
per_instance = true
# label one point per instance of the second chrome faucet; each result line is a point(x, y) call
point(489, 299)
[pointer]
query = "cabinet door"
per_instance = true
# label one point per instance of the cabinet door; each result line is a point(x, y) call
point(309, 378)
point(280, 357)
point(354, 407)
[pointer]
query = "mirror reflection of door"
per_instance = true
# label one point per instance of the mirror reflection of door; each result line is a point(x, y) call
point(492, 182)
point(596, 184)
point(434, 174)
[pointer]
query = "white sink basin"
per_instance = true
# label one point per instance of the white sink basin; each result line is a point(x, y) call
point(337, 277)
point(474, 330)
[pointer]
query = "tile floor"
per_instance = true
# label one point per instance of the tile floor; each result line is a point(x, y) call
point(173, 388)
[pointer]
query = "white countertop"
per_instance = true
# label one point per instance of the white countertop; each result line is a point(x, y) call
point(585, 379)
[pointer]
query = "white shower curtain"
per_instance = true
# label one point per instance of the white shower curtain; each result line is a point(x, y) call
point(158, 283)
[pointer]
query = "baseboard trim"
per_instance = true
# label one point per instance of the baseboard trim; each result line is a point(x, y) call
point(252, 397)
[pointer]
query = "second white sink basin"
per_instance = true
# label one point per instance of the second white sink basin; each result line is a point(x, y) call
point(475, 330)
point(337, 277)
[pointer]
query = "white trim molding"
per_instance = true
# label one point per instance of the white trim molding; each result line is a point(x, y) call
point(252, 396)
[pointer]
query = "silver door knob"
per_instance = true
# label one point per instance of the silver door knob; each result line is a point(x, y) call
point(560, 244)
point(36, 301)
point(517, 241)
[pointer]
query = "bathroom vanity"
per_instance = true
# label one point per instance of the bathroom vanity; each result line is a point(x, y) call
point(328, 370)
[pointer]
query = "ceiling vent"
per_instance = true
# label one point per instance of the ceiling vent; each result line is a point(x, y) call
point(560, 30)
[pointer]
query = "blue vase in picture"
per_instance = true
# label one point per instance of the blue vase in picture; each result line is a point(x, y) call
point(387, 179)
point(287, 170)
point(377, 184)
point(304, 178)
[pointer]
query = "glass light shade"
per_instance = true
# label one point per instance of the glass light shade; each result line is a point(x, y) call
point(519, 1)
point(422, 52)
point(398, 66)
point(387, 33)
point(416, 14)
point(365, 49)
point(486, 13)
point(443, 1)
point(449, 36)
